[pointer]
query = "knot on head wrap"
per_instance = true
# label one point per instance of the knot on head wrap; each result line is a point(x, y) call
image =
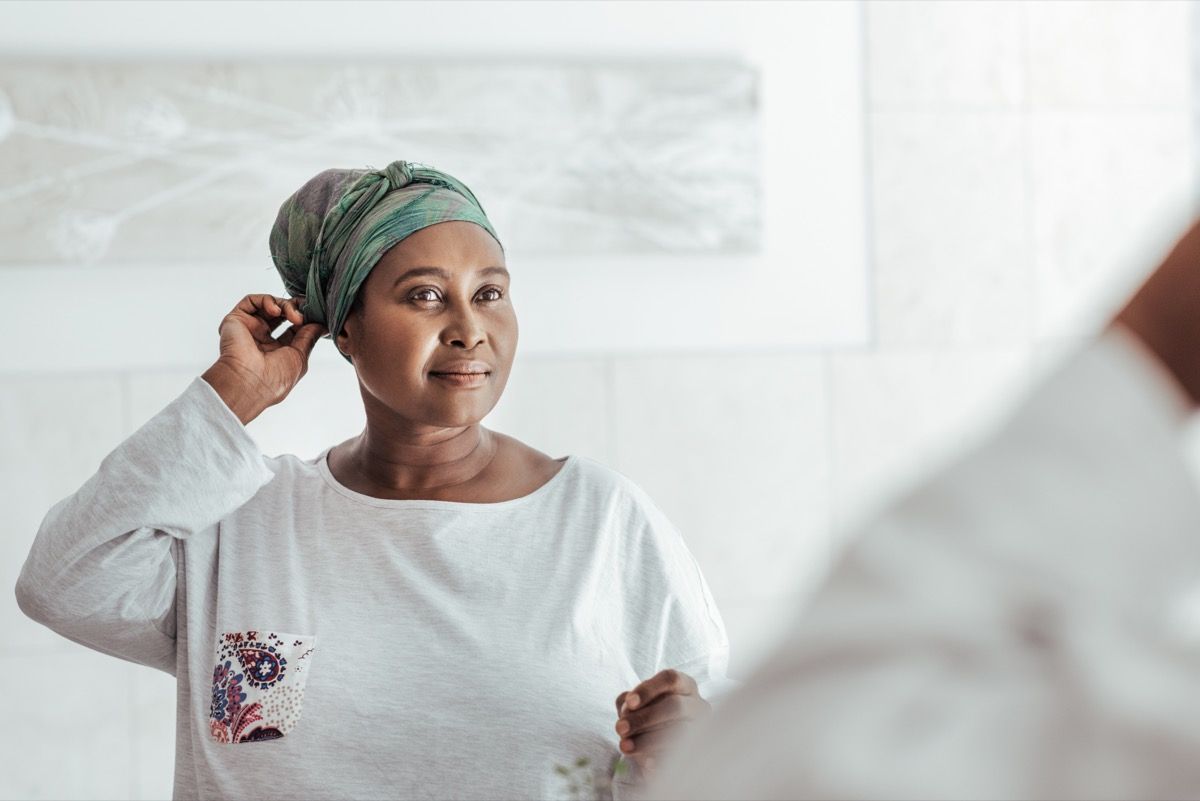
point(333, 230)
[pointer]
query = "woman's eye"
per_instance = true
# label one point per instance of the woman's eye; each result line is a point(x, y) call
point(431, 295)
point(417, 295)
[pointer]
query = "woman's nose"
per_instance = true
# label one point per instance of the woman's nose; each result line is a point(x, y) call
point(463, 329)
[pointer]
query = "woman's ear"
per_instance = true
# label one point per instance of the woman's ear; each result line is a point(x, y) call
point(343, 341)
point(346, 338)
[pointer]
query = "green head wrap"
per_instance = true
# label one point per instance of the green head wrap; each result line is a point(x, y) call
point(335, 228)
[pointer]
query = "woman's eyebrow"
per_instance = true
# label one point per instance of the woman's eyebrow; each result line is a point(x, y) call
point(440, 273)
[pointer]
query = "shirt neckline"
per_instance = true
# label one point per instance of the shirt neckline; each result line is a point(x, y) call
point(568, 463)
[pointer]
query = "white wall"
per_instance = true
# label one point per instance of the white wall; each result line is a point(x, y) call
point(809, 160)
point(1024, 163)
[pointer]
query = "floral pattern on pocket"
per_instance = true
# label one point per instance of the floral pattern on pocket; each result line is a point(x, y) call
point(258, 684)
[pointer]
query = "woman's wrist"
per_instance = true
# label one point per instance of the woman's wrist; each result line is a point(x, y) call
point(235, 390)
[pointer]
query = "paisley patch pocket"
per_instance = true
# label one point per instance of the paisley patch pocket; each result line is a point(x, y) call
point(258, 684)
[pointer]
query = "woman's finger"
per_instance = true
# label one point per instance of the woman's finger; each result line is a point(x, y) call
point(291, 310)
point(306, 338)
point(263, 307)
point(651, 744)
point(667, 709)
point(663, 712)
point(259, 305)
point(263, 314)
point(302, 337)
point(665, 682)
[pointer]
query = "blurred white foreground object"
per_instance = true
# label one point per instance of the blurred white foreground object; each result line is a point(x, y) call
point(1021, 625)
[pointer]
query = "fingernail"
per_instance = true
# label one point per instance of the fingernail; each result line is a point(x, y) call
point(622, 727)
point(632, 700)
point(627, 746)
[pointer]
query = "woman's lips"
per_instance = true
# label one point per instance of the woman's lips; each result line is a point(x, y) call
point(462, 379)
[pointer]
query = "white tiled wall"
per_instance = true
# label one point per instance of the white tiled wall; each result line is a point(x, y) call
point(1021, 158)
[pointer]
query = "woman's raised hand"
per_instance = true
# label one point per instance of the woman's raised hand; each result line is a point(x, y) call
point(255, 370)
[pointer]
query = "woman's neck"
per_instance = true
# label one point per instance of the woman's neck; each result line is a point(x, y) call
point(418, 464)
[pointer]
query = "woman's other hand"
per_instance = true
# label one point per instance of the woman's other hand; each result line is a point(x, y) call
point(255, 370)
point(652, 715)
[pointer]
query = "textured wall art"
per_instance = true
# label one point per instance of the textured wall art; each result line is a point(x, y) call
point(106, 162)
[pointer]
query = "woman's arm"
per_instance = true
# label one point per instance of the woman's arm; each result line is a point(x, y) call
point(101, 570)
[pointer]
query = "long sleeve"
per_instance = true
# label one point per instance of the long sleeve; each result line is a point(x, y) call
point(102, 568)
point(1021, 625)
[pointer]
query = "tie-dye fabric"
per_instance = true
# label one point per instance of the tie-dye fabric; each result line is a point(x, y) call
point(334, 229)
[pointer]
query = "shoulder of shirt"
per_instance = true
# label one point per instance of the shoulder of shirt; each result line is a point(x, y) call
point(291, 466)
point(600, 475)
point(612, 482)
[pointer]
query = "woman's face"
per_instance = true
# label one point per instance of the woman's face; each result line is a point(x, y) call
point(436, 302)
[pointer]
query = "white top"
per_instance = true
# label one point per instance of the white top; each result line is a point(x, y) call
point(1023, 624)
point(332, 644)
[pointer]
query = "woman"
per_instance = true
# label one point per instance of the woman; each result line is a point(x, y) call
point(430, 609)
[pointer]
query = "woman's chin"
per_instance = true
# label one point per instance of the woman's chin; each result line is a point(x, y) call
point(459, 416)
